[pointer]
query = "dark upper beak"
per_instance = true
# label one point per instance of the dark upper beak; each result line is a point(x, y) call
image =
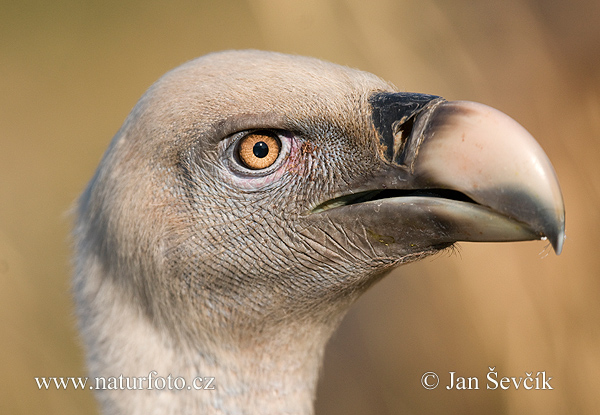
point(460, 171)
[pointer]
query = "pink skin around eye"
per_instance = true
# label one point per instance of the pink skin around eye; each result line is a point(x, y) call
point(293, 165)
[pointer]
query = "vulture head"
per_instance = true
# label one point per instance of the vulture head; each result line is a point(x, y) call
point(251, 197)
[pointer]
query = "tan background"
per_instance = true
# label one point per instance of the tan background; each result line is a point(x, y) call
point(70, 71)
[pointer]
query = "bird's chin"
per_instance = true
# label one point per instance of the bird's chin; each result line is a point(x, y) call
point(425, 222)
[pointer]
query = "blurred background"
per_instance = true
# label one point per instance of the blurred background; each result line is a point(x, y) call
point(70, 71)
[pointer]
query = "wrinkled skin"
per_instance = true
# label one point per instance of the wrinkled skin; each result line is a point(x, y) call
point(189, 262)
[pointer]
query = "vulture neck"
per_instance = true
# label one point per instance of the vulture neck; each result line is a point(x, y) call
point(263, 374)
point(266, 376)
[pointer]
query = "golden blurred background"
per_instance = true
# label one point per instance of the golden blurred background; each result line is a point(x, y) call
point(70, 71)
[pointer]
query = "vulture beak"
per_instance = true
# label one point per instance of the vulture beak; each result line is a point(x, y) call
point(455, 171)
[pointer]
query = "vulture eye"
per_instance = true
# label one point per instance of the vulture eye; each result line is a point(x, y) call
point(259, 150)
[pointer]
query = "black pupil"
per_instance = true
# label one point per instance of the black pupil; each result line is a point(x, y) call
point(260, 149)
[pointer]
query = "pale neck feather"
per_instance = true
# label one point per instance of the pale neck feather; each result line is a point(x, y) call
point(274, 375)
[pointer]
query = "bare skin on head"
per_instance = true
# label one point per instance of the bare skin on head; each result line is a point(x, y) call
point(251, 197)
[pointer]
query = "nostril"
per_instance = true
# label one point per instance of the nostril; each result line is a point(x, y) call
point(393, 116)
point(401, 130)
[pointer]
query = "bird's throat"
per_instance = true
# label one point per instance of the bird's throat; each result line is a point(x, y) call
point(271, 374)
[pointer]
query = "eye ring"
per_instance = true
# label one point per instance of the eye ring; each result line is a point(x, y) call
point(258, 150)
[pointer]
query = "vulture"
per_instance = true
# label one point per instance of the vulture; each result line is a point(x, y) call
point(251, 197)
